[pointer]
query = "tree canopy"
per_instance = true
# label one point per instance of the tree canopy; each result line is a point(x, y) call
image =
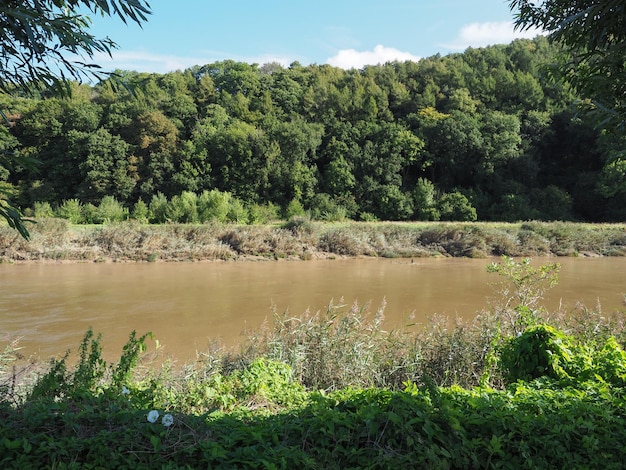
point(594, 32)
point(45, 44)
point(481, 135)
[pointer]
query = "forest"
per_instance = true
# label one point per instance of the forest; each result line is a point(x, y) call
point(488, 134)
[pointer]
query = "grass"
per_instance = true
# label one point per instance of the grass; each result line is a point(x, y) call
point(56, 239)
point(517, 387)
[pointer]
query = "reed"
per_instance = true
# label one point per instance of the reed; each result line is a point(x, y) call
point(300, 238)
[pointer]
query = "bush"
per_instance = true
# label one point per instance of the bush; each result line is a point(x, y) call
point(42, 209)
point(294, 209)
point(393, 204)
point(322, 207)
point(237, 212)
point(183, 208)
point(456, 207)
point(425, 200)
point(213, 206)
point(262, 213)
point(110, 210)
point(542, 351)
point(71, 210)
point(90, 214)
point(140, 212)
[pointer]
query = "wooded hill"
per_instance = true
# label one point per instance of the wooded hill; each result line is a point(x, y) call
point(484, 135)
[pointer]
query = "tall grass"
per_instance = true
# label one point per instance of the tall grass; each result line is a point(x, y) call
point(301, 238)
point(346, 345)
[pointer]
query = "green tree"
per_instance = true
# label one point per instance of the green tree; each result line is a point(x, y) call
point(104, 167)
point(37, 33)
point(425, 200)
point(594, 32)
point(455, 206)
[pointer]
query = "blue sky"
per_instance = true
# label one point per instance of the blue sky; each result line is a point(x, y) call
point(343, 33)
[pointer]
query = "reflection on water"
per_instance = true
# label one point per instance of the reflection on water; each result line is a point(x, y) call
point(187, 304)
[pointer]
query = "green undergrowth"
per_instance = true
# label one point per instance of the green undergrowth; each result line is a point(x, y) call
point(519, 387)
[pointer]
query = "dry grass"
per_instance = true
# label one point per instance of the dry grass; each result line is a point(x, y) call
point(55, 239)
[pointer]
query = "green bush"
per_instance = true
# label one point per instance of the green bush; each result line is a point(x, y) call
point(91, 214)
point(110, 210)
point(456, 207)
point(213, 206)
point(42, 209)
point(294, 209)
point(158, 209)
point(183, 208)
point(72, 210)
point(322, 207)
point(237, 212)
point(543, 351)
point(262, 213)
point(425, 200)
point(140, 212)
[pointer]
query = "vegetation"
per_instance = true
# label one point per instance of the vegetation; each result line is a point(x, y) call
point(55, 239)
point(34, 35)
point(333, 390)
point(482, 135)
point(593, 33)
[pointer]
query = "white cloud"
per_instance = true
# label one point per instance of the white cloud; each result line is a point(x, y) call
point(351, 58)
point(485, 34)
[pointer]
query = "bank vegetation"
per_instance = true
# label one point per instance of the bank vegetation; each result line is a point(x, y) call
point(299, 238)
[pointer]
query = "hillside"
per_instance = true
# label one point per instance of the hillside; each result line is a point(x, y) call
point(482, 135)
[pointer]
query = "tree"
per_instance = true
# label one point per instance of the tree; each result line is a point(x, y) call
point(37, 33)
point(44, 45)
point(594, 32)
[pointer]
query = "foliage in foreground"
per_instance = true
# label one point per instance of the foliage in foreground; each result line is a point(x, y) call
point(263, 419)
point(327, 391)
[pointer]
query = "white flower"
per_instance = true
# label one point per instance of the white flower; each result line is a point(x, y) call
point(125, 391)
point(167, 420)
point(153, 416)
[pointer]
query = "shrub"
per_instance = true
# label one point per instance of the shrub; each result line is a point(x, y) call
point(542, 351)
point(424, 200)
point(183, 208)
point(110, 210)
point(237, 212)
point(213, 206)
point(90, 214)
point(42, 209)
point(322, 207)
point(158, 208)
point(294, 209)
point(72, 210)
point(262, 213)
point(393, 204)
point(456, 207)
point(140, 212)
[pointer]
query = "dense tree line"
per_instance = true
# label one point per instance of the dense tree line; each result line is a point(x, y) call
point(485, 135)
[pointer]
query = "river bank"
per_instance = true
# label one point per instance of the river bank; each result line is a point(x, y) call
point(55, 240)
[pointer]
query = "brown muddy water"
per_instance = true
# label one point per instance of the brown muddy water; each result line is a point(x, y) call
point(187, 305)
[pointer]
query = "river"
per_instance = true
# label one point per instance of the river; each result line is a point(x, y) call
point(188, 305)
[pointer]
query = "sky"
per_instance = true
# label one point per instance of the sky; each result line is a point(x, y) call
point(343, 33)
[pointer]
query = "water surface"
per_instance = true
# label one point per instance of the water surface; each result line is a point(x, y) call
point(187, 305)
